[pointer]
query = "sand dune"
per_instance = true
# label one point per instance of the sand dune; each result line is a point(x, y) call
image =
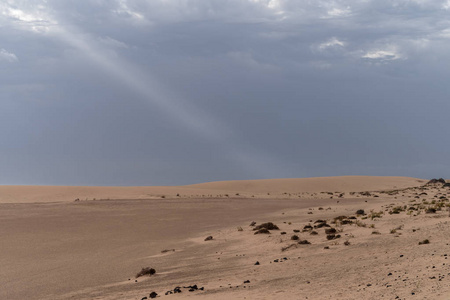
point(93, 249)
point(318, 184)
point(245, 188)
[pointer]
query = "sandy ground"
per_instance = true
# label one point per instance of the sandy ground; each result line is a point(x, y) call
point(93, 249)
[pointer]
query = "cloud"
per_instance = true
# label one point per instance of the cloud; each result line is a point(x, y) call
point(331, 43)
point(8, 56)
point(382, 55)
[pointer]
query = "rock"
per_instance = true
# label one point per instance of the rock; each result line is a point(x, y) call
point(209, 238)
point(257, 263)
point(247, 281)
point(153, 295)
point(253, 223)
point(360, 212)
point(143, 298)
point(177, 290)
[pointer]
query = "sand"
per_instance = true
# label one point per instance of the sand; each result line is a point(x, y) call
point(92, 249)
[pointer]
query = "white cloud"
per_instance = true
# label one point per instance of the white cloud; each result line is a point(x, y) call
point(333, 42)
point(33, 18)
point(446, 5)
point(125, 9)
point(382, 55)
point(339, 12)
point(8, 56)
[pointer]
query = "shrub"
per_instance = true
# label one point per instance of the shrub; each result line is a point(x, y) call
point(146, 271)
point(330, 230)
point(262, 230)
point(268, 226)
point(304, 242)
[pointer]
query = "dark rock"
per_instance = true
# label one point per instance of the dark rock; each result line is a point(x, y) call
point(153, 295)
point(304, 242)
point(252, 223)
point(247, 281)
point(177, 290)
point(283, 232)
point(257, 263)
point(360, 212)
point(209, 238)
point(294, 237)
point(143, 298)
point(314, 233)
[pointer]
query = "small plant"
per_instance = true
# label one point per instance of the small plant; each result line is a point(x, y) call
point(268, 226)
point(304, 242)
point(330, 230)
point(360, 224)
point(430, 210)
point(262, 230)
point(146, 271)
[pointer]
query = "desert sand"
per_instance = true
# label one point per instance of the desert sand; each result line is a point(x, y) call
point(60, 243)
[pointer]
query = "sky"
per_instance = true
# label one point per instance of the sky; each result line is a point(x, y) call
point(174, 92)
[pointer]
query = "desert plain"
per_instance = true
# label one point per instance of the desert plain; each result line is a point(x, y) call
point(349, 237)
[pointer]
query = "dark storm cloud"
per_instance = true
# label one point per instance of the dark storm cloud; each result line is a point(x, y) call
point(177, 92)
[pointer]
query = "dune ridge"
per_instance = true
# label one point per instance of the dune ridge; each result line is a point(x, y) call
point(241, 188)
